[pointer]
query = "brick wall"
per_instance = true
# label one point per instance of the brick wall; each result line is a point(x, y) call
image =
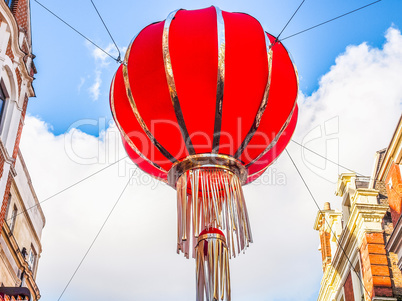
point(9, 51)
point(21, 14)
point(19, 80)
point(348, 288)
point(5, 200)
point(394, 192)
point(376, 272)
point(2, 161)
point(325, 248)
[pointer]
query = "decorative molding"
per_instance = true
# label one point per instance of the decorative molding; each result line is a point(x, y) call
point(22, 264)
point(3, 151)
point(364, 218)
point(19, 54)
point(343, 181)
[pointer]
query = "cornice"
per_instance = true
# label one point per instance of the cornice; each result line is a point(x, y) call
point(14, 38)
point(342, 184)
point(320, 216)
point(7, 158)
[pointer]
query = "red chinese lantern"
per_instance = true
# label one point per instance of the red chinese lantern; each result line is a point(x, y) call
point(206, 101)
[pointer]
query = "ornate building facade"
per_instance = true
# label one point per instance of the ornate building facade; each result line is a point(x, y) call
point(21, 217)
point(389, 173)
point(357, 242)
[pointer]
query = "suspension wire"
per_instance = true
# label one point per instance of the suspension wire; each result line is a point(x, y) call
point(277, 38)
point(329, 160)
point(97, 235)
point(340, 16)
point(93, 43)
point(110, 35)
point(68, 187)
point(326, 221)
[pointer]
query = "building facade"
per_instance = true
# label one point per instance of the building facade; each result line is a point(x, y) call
point(389, 173)
point(358, 243)
point(21, 217)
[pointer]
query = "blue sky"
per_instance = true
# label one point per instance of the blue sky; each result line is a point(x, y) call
point(66, 69)
point(348, 69)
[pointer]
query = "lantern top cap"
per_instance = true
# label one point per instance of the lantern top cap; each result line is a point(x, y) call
point(217, 161)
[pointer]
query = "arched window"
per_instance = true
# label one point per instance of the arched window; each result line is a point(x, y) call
point(2, 101)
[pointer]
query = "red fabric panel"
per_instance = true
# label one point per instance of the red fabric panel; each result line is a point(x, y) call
point(126, 118)
point(245, 78)
point(193, 44)
point(194, 55)
point(274, 153)
point(144, 165)
point(149, 87)
point(282, 96)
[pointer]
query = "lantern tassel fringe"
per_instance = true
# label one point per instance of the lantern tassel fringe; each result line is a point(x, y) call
point(212, 270)
point(211, 198)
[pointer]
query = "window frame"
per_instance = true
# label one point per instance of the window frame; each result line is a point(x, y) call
point(357, 280)
point(3, 112)
point(32, 257)
point(13, 218)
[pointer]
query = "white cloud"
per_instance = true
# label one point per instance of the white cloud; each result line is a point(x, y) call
point(82, 82)
point(135, 253)
point(94, 90)
point(102, 59)
point(363, 89)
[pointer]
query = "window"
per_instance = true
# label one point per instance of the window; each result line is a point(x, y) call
point(13, 218)
point(8, 204)
point(32, 259)
point(2, 101)
point(4, 96)
point(357, 280)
